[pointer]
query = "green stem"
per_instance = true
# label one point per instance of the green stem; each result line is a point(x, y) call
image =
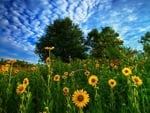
point(112, 98)
point(80, 110)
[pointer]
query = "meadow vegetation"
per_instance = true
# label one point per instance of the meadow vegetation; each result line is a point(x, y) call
point(79, 86)
point(96, 74)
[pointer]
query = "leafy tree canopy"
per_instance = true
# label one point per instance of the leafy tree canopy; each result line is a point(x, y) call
point(145, 41)
point(105, 43)
point(66, 37)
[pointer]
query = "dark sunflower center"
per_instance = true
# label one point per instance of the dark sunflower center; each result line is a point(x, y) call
point(136, 80)
point(126, 71)
point(112, 83)
point(80, 98)
point(25, 82)
point(93, 80)
point(21, 88)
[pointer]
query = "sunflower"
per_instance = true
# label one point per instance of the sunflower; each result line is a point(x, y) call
point(15, 71)
point(65, 90)
point(126, 71)
point(80, 98)
point(87, 73)
point(112, 83)
point(48, 60)
point(93, 80)
point(21, 88)
point(97, 65)
point(26, 81)
point(49, 48)
point(11, 61)
point(72, 73)
point(56, 77)
point(66, 73)
point(137, 80)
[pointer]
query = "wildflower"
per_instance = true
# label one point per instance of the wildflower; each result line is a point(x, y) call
point(115, 67)
point(15, 71)
point(56, 77)
point(47, 60)
point(87, 73)
point(115, 64)
point(112, 83)
point(64, 77)
point(20, 88)
point(5, 68)
point(84, 65)
point(66, 73)
point(34, 68)
point(137, 80)
point(97, 65)
point(49, 48)
point(72, 73)
point(80, 98)
point(26, 81)
point(11, 61)
point(126, 71)
point(65, 90)
point(93, 80)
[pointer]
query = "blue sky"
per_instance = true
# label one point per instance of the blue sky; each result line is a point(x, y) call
point(23, 21)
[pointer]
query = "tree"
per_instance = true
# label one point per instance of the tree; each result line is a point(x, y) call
point(145, 41)
point(105, 43)
point(66, 37)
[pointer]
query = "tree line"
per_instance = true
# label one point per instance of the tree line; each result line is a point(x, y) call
point(69, 42)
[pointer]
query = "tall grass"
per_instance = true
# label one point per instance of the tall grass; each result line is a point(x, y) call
point(45, 93)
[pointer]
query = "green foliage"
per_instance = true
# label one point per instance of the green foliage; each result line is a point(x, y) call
point(145, 41)
point(20, 63)
point(66, 37)
point(104, 44)
point(123, 98)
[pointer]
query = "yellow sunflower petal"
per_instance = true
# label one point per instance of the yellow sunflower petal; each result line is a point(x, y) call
point(80, 98)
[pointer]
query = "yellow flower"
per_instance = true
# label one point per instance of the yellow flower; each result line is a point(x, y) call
point(137, 80)
point(11, 61)
point(20, 88)
point(34, 68)
point(26, 81)
point(49, 48)
point(97, 65)
point(15, 71)
point(87, 73)
point(56, 77)
point(112, 83)
point(72, 73)
point(5, 68)
point(93, 80)
point(46, 48)
point(64, 77)
point(66, 73)
point(48, 60)
point(80, 98)
point(126, 71)
point(65, 90)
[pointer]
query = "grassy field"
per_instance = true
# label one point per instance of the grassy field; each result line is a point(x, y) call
point(80, 86)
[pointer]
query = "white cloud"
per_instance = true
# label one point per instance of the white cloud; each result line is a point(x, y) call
point(26, 21)
point(128, 10)
point(131, 18)
point(4, 22)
